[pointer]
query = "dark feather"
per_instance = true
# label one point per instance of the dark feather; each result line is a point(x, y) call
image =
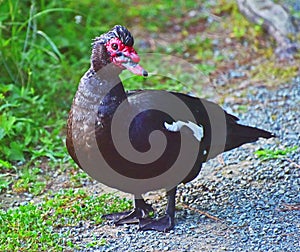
point(119, 32)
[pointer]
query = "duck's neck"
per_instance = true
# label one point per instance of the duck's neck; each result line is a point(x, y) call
point(100, 92)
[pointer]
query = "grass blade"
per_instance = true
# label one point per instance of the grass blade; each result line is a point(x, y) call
point(50, 41)
point(44, 12)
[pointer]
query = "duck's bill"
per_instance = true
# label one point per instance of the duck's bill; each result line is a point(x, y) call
point(135, 68)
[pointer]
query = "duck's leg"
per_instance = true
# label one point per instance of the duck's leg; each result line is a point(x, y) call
point(141, 211)
point(166, 222)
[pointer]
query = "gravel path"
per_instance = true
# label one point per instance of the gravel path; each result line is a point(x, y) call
point(247, 195)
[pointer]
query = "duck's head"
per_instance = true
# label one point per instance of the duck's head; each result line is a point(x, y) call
point(116, 47)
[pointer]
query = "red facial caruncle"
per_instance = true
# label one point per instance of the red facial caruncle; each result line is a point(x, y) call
point(124, 56)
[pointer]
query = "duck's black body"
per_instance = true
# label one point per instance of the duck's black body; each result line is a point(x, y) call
point(99, 96)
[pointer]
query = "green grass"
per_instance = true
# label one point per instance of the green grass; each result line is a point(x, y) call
point(266, 154)
point(35, 226)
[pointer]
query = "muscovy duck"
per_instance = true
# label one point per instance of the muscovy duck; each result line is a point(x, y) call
point(170, 134)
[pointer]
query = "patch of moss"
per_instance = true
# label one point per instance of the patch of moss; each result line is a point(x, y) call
point(272, 73)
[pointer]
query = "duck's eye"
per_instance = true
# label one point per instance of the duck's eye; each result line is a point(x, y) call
point(114, 46)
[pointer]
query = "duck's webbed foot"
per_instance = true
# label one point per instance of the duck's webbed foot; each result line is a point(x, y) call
point(141, 211)
point(165, 223)
point(162, 224)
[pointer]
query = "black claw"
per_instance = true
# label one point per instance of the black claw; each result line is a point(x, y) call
point(131, 218)
point(144, 222)
point(128, 217)
point(116, 216)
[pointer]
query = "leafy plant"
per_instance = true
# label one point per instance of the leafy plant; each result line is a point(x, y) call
point(29, 128)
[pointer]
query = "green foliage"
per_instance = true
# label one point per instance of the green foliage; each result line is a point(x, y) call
point(23, 133)
point(29, 181)
point(240, 27)
point(78, 178)
point(157, 15)
point(266, 154)
point(96, 243)
point(5, 181)
point(35, 227)
point(267, 69)
point(31, 120)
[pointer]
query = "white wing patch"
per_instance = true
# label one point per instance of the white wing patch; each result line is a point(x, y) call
point(195, 128)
